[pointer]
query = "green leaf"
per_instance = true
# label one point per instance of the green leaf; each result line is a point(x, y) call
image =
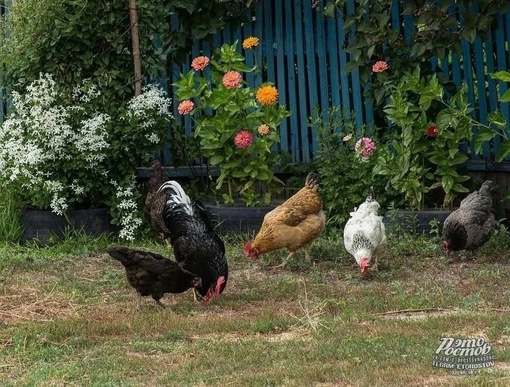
point(501, 76)
point(447, 182)
point(216, 159)
point(496, 118)
point(505, 97)
point(483, 135)
point(504, 150)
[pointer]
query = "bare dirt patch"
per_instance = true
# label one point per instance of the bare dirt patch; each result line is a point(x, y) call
point(28, 303)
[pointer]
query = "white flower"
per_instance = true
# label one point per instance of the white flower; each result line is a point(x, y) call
point(152, 98)
point(153, 137)
point(55, 153)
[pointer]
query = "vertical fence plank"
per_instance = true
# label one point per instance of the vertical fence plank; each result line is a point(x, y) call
point(311, 78)
point(322, 65)
point(282, 75)
point(356, 86)
point(302, 87)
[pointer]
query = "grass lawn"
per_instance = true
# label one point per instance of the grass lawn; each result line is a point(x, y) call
point(68, 317)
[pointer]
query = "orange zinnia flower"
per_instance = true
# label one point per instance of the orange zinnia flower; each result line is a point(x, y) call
point(267, 95)
point(250, 42)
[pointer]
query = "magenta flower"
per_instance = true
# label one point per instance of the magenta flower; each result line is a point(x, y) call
point(232, 79)
point(200, 63)
point(380, 66)
point(365, 147)
point(243, 139)
point(185, 107)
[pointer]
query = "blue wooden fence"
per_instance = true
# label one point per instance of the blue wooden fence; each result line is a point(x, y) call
point(305, 57)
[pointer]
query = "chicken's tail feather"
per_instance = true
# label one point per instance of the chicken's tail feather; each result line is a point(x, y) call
point(176, 198)
point(312, 180)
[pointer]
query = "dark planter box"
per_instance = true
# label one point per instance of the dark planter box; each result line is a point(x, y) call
point(237, 219)
point(404, 221)
point(40, 225)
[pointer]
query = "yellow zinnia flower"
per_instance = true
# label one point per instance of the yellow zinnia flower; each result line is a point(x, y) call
point(267, 95)
point(250, 42)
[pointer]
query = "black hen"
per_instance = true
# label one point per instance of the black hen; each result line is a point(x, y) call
point(152, 274)
point(472, 224)
point(196, 245)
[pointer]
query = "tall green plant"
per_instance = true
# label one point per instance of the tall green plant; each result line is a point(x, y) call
point(10, 227)
point(429, 128)
point(345, 175)
point(78, 39)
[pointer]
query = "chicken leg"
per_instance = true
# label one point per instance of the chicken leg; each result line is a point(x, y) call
point(138, 301)
point(195, 295)
point(375, 266)
point(308, 257)
point(284, 263)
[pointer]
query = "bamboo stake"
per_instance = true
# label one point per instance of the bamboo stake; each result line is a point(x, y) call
point(137, 61)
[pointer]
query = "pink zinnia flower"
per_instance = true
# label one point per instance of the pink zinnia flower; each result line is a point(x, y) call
point(379, 66)
point(232, 79)
point(200, 63)
point(185, 107)
point(365, 147)
point(243, 139)
point(432, 131)
point(263, 130)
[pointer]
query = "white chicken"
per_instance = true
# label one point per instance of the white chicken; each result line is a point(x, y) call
point(364, 234)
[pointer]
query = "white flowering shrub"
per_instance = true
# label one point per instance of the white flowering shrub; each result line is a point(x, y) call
point(63, 151)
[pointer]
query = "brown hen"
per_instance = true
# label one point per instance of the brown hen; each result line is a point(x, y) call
point(293, 224)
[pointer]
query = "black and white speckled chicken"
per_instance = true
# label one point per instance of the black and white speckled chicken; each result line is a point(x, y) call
point(364, 234)
point(472, 224)
point(196, 245)
point(152, 274)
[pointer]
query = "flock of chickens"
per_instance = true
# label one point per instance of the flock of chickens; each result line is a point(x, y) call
point(200, 262)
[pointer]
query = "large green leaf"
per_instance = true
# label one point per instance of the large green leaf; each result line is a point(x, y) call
point(501, 76)
point(483, 135)
point(504, 150)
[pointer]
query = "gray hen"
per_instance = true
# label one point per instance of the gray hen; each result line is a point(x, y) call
point(472, 224)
